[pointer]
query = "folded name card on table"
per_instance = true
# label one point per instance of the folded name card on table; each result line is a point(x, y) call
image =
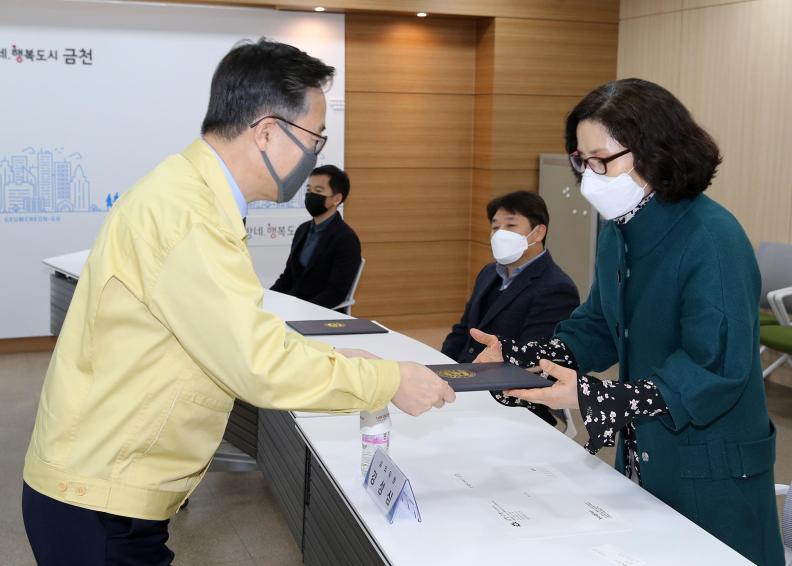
point(336, 326)
point(488, 376)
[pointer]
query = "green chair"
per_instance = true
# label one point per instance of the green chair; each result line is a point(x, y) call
point(778, 338)
point(767, 318)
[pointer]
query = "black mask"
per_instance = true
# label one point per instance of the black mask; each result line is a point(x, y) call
point(315, 203)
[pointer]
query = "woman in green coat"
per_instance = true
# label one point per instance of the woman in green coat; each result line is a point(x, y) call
point(675, 303)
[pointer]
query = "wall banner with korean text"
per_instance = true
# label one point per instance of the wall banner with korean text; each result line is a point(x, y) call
point(94, 95)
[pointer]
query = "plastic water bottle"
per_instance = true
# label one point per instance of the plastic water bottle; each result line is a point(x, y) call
point(374, 433)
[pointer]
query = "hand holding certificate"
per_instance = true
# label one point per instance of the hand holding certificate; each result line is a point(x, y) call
point(563, 393)
point(420, 390)
point(560, 395)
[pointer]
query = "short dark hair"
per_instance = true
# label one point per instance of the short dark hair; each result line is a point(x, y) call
point(339, 180)
point(259, 78)
point(671, 152)
point(525, 203)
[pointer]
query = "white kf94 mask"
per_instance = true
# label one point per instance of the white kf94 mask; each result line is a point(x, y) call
point(611, 196)
point(508, 247)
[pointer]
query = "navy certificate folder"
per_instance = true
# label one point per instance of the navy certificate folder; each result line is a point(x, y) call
point(488, 376)
point(336, 326)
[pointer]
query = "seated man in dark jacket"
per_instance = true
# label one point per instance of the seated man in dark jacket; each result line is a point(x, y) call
point(325, 251)
point(524, 294)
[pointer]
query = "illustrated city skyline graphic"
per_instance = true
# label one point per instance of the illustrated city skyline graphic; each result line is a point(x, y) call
point(34, 181)
point(42, 181)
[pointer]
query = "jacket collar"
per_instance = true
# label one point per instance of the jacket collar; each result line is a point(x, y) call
point(652, 224)
point(522, 282)
point(239, 198)
point(503, 271)
point(202, 158)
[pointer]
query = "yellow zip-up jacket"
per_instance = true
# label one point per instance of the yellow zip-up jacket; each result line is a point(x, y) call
point(164, 331)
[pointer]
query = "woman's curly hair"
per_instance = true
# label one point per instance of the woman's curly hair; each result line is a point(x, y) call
point(671, 152)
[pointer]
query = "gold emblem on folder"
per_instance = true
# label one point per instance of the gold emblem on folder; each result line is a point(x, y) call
point(335, 324)
point(456, 373)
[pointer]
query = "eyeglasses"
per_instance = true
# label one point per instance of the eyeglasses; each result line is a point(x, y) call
point(598, 165)
point(320, 139)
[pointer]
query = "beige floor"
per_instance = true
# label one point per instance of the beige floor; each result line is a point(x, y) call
point(231, 519)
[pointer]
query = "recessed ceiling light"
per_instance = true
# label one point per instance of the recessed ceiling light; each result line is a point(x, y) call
point(421, 14)
point(319, 9)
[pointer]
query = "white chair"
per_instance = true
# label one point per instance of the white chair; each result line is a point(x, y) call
point(350, 298)
point(565, 415)
point(778, 300)
point(570, 431)
point(786, 522)
point(775, 266)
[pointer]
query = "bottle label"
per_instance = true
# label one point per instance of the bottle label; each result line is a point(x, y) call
point(375, 423)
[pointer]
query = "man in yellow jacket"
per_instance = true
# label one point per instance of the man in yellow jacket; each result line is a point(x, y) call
point(166, 328)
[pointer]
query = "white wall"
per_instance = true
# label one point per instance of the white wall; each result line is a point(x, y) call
point(730, 63)
point(72, 134)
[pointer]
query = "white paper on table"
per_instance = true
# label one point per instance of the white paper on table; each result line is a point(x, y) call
point(613, 555)
point(536, 501)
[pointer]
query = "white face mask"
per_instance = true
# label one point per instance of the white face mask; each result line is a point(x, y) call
point(508, 247)
point(611, 196)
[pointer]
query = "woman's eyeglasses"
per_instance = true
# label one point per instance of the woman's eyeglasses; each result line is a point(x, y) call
point(598, 165)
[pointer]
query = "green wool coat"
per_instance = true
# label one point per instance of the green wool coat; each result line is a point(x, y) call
point(675, 299)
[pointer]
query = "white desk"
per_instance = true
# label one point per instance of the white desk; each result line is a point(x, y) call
point(70, 265)
point(314, 473)
point(63, 280)
point(459, 529)
point(339, 524)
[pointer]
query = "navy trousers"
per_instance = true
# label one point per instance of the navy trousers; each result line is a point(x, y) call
point(64, 535)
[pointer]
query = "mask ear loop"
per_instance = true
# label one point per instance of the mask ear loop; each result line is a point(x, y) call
point(645, 184)
point(528, 234)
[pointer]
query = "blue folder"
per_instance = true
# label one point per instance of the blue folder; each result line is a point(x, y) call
point(336, 326)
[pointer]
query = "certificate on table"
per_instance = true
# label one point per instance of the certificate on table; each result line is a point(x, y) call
point(336, 326)
point(536, 501)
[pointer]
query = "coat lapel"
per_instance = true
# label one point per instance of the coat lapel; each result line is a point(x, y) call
point(522, 282)
point(487, 281)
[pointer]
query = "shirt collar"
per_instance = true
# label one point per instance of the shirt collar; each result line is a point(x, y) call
point(241, 203)
point(323, 224)
point(504, 272)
